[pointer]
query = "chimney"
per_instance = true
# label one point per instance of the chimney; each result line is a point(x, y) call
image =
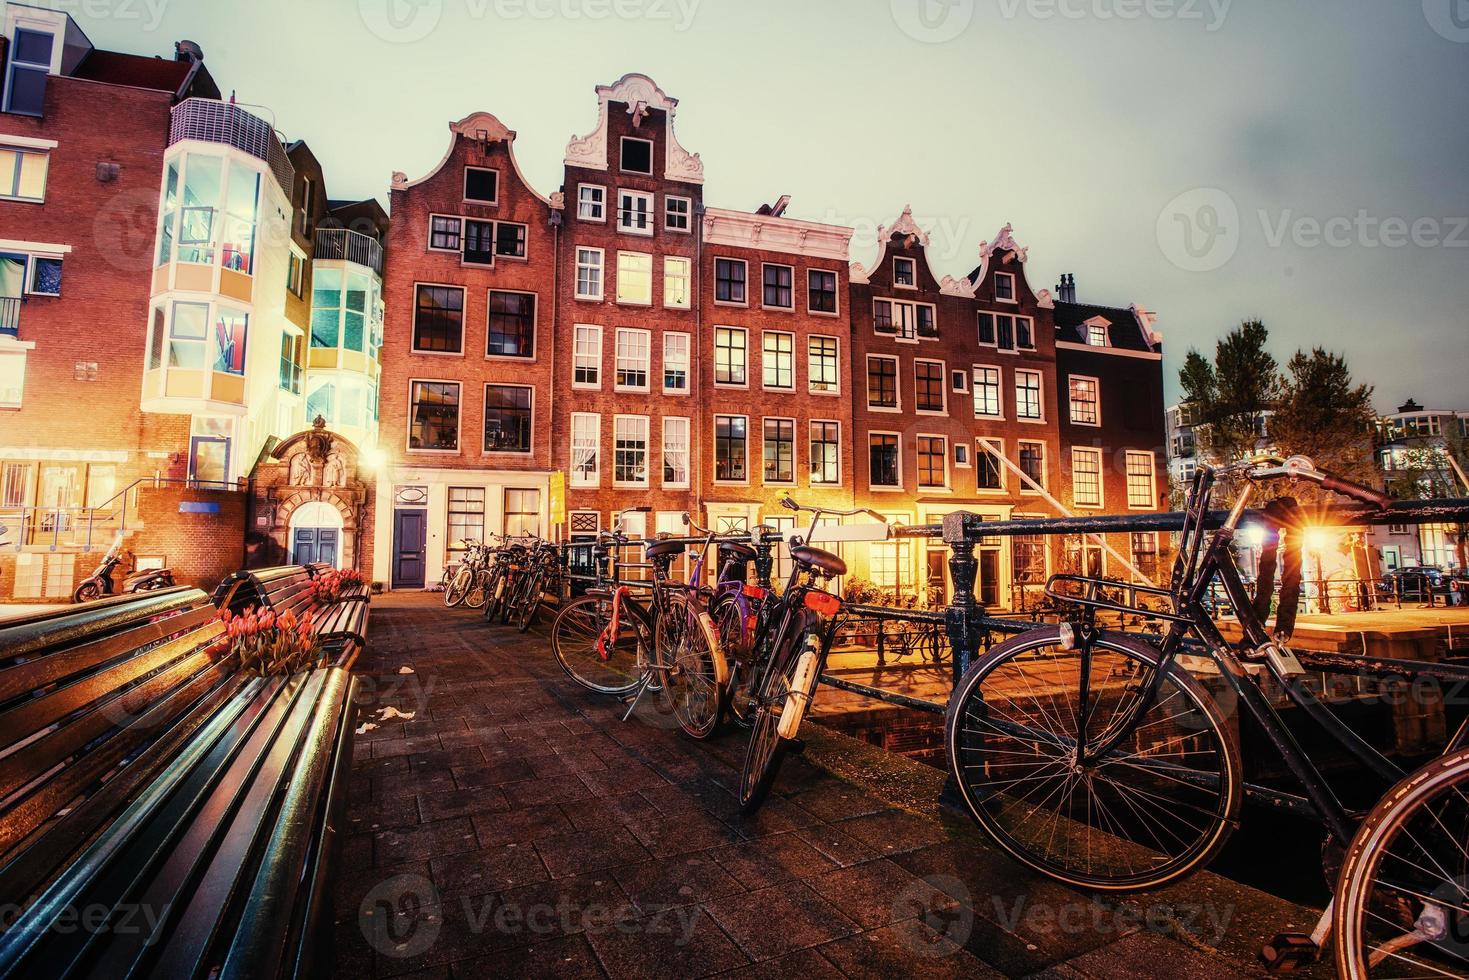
point(1066, 288)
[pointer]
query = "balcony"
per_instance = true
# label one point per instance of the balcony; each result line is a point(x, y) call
point(10, 315)
point(352, 246)
point(230, 125)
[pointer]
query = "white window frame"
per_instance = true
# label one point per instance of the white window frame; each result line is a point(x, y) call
point(745, 367)
point(600, 203)
point(1040, 396)
point(1096, 383)
point(636, 195)
point(930, 487)
point(601, 268)
point(837, 389)
point(975, 385)
point(687, 451)
point(999, 446)
point(647, 361)
point(884, 488)
point(897, 383)
point(1096, 454)
point(688, 214)
point(413, 324)
point(1014, 296)
point(574, 477)
point(911, 262)
point(617, 297)
point(959, 381)
point(576, 331)
point(838, 424)
point(1045, 480)
point(512, 453)
point(686, 357)
point(966, 462)
point(429, 243)
point(764, 354)
point(731, 302)
point(647, 450)
point(767, 306)
point(475, 200)
point(688, 280)
point(21, 146)
point(1152, 502)
point(836, 291)
point(943, 386)
point(635, 139)
point(13, 355)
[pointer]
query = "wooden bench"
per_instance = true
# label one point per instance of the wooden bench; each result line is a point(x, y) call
point(161, 812)
point(341, 626)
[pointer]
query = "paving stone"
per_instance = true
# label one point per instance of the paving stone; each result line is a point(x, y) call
point(490, 869)
point(425, 841)
point(892, 831)
point(683, 942)
point(1140, 955)
point(771, 860)
point(569, 958)
point(589, 850)
point(461, 802)
point(842, 848)
point(552, 789)
point(685, 880)
point(779, 920)
point(400, 811)
point(878, 893)
point(808, 964)
point(910, 950)
point(519, 826)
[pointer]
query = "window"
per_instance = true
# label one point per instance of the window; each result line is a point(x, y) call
point(1028, 395)
point(677, 212)
point(198, 212)
point(778, 360)
point(989, 470)
point(296, 274)
point(230, 327)
point(959, 381)
point(23, 174)
point(586, 356)
point(780, 451)
point(433, 415)
point(1006, 332)
point(438, 320)
point(729, 448)
point(676, 362)
point(882, 316)
point(882, 382)
point(1033, 464)
point(729, 281)
point(987, 392)
point(630, 450)
point(586, 433)
point(466, 519)
point(507, 418)
point(1095, 334)
point(591, 202)
point(927, 325)
point(903, 319)
point(903, 272)
point(821, 291)
point(588, 273)
point(635, 278)
point(1086, 477)
point(512, 324)
point(307, 201)
point(825, 440)
point(1004, 287)
point(290, 370)
point(882, 460)
point(675, 452)
point(479, 242)
point(443, 233)
point(12, 386)
point(1085, 408)
point(729, 356)
point(481, 185)
point(1145, 553)
point(778, 286)
point(1029, 551)
point(522, 511)
point(676, 287)
point(961, 455)
point(637, 156)
point(30, 63)
point(821, 365)
point(928, 386)
point(1142, 487)
point(635, 212)
point(510, 239)
point(188, 335)
point(933, 459)
point(633, 359)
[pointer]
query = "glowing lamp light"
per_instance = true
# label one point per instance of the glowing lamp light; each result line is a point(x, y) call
point(1317, 539)
point(1252, 535)
point(374, 458)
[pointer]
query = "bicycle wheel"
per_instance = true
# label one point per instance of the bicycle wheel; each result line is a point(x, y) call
point(1402, 900)
point(574, 636)
point(766, 749)
point(689, 662)
point(492, 590)
point(530, 601)
point(735, 638)
point(1159, 803)
point(479, 589)
point(458, 586)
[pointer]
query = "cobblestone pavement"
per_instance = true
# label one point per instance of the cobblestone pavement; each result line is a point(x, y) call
point(513, 825)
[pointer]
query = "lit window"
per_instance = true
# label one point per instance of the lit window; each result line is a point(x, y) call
point(229, 341)
point(512, 324)
point(882, 460)
point(444, 233)
point(507, 418)
point(903, 319)
point(1028, 394)
point(729, 356)
point(987, 392)
point(630, 450)
point(1085, 409)
point(903, 272)
point(780, 450)
point(822, 365)
point(1086, 477)
point(1006, 332)
point(585, 449)
point(635, 278)
point(933, 458)
point(825, 453)
point(676, 362)
point(1142, 488)
point(729, 448)
point(675, 452)
point(676, 276)
point(882, 382)
point(989, 470)
point(23, 174)
point(588, 273)
point(1096, 334)
point(633, 359)
point(433, 415)
point(591, 202)
point(1033, 464)
point(586, 368)
point(928, 386)
point(778, 360)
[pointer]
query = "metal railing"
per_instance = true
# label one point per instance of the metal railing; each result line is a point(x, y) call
point(352, 246)
point(10, 314)
point(82, 528)
point(230, 124)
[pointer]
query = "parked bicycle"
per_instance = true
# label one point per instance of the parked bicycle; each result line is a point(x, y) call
point(541, 574)
point(465, 581)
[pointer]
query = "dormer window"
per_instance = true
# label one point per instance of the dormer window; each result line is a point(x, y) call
point(481, 185)
point(1004, 287)
point(30, 63)
point(637, 156)
point(904, 273)
point(1096, 334)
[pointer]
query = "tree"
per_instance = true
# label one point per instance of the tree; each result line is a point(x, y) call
point(1322, 413)
point(1230, 396)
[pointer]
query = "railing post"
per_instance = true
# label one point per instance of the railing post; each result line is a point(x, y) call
point(961, 617)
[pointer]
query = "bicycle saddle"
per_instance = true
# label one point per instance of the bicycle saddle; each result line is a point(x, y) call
point(660, 548)
point(825, 561)
point(735, 551)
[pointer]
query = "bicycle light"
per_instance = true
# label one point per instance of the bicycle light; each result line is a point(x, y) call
point(823, 603)
point(1067, 637)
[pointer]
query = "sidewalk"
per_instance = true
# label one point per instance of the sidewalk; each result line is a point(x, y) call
point(513, 825)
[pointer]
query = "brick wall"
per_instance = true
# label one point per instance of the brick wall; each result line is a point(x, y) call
point(199, 533)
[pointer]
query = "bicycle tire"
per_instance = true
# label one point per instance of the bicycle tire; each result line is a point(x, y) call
point(1023, 787)
point(478, 594)
point(492, 589)
point(691, 665)
point(1387, 889)
point(766, 749)
point(530, 602)
point(458, 587)
point(573, 642)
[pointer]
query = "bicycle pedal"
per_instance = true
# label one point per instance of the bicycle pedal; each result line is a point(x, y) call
point(1289, 951)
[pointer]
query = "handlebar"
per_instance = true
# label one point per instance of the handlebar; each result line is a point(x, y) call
point(789, 503)
point(1301, 468)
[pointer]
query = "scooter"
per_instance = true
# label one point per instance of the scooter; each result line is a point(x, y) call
point(99, 583)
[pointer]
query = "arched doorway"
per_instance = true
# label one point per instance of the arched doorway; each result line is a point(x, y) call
point(316, 534)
